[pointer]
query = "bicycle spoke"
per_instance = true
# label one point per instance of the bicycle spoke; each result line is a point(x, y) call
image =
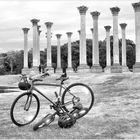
point(24, 109)
point(78, 96)
point(67, 103)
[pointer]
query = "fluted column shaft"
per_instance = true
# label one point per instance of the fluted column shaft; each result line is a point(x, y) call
point(39, 47)
point(35, 42)
point(92, 31)
point(123, 26)
point(69, 50)
point(136, 7)
point(115, 11)
point(49, 52)
point(25, 30)
point(83, 55)
point(108, 56)
point(58, 51)
point(79, 43)
point(95, 38)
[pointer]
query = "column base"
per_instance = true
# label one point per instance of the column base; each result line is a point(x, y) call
point(25, 71)
point(125, 69)
point(116, 68)
point(69, 70)
point(96, 69)
point(107, 69)
point(58, 70)
point(34, 71)
point(136, 67)
point(83, 68)
point(49, 69)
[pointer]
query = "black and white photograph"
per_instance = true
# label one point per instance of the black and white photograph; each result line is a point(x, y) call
point(70, 69)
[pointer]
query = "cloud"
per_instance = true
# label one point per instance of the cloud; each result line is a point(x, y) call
point(64, 14)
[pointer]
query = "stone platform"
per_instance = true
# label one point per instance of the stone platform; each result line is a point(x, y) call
point(136, 67)
point(96, 69)
point(83, 68)
point(116, 68)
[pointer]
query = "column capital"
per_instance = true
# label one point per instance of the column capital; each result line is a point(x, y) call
point(95, 14)
point(115, 10)
point(48, 24)
point(136, 6)
point(69, 34)
point(107, 28)
point(123, 25)
point(82, 9)
point(35, 21)
point(25, 30)
point(58, 36)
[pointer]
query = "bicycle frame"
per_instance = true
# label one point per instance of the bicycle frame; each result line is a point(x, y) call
point(51, 85)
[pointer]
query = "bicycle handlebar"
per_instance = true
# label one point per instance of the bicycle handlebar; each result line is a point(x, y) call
point(34, 78)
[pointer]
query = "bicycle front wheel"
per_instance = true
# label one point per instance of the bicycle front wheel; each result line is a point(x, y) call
point(24, 109)
point(80, 96)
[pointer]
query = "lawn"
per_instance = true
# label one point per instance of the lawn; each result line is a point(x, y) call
point(115, 114)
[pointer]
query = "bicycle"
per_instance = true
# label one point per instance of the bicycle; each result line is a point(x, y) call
point(75, 102)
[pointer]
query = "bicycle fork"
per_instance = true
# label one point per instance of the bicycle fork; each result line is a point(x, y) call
point(28, 103)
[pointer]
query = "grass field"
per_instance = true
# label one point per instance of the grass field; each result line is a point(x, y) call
point(115, 114)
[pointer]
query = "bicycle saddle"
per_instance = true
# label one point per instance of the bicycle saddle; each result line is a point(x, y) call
point(63, 77)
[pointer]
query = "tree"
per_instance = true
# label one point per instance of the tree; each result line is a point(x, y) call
point(11, 55)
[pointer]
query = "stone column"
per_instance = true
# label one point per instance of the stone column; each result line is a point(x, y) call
point(116, 68)
point(136, 6)
point(58, 53)
point(79, 32)
point(25, 69)
point(92, 31)
point(108, 55)
point(96, 66)
point(49, 50)
point(69, 53)
point(38, 45)
point(39, 32)
point(35, 69)
point(124, 65)
point(83, 53)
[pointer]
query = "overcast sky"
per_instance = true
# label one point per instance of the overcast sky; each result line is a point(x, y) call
point(16, 14)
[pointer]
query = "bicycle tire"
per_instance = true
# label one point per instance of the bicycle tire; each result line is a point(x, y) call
point(34, 100)
point(43, 122)
point(68, 90)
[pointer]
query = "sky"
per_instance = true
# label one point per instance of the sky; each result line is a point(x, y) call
point(16, 14)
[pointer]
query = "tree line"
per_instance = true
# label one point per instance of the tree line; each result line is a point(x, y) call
point(12, 61)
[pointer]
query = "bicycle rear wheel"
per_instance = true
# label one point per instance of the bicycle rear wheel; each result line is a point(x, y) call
point(78, 94)
point(24, 109)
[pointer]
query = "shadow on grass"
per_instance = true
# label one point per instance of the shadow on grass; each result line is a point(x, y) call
point(7, 89)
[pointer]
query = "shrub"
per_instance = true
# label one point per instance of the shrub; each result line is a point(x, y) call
point(2, 70)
